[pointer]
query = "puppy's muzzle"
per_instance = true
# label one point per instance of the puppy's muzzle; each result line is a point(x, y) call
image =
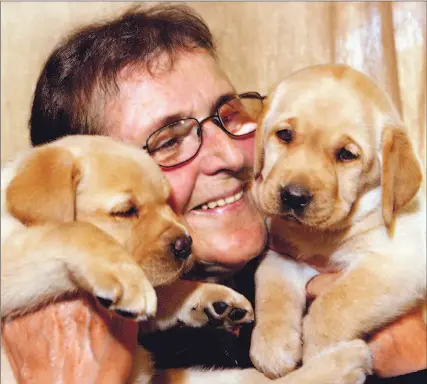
point(295, 198)
point(181, 247)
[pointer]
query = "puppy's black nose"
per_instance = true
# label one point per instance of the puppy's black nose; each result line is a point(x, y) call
point(182, 247)
point(295, 197)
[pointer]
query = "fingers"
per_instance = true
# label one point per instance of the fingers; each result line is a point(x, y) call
point(88, 344)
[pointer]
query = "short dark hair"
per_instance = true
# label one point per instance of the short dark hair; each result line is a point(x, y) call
point(91, 58)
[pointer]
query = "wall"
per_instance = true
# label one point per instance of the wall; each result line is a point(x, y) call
point(259, 44)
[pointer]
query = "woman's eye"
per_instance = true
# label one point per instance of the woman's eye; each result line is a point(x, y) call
point(285, 135)
point(131, 212)
point(226, 119)
point(168, 144)
point(344, 154)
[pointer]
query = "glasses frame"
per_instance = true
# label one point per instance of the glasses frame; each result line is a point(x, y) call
point(216, 119)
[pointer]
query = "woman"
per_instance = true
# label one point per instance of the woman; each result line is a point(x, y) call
point(145, 78)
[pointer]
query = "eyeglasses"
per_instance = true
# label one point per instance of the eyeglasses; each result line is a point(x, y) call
point(180, 141)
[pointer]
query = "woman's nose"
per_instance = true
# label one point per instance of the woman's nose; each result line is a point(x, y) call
point(220, 151)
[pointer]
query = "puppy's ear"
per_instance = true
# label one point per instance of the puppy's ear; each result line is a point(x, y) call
point(401, 172)
point(43, 189)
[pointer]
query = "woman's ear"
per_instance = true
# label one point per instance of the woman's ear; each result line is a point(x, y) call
point(43, 189)
point(401, 174)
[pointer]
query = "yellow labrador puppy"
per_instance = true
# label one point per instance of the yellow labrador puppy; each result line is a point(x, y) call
point(339, 180)
point(90, 213)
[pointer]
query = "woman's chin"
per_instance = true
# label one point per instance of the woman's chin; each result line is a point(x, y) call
point(230, 250)
point(228, 239)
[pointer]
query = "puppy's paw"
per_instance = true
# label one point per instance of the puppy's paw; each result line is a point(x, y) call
point(344, 363)
point(119, 284)
point(216, 305)
point(275, 347)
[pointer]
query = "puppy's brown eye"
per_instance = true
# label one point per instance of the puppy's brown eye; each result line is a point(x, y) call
point(285, 135)
point(131, 212)
point(344, 154)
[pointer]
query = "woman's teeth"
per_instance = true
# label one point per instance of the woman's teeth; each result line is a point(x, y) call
point(222, 202)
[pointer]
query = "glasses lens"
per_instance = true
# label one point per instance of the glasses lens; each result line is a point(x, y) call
point(175, 143)
point(239, 115)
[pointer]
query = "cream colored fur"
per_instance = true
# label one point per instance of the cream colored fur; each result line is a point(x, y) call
point(366, 217)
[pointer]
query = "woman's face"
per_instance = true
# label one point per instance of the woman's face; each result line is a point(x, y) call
point(229, 235)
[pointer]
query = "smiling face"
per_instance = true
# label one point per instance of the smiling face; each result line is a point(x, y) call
point(320, 140)
point(231, 231)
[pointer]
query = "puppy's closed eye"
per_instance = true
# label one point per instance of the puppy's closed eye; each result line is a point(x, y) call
point(127, 212)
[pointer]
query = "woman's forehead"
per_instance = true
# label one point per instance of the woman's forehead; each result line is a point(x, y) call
point(197, 66)
point(146, 102)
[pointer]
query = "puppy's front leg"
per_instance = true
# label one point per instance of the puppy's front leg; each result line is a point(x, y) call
point(196, 304)
point(42, 262)
point(369, 295)
point(280, 302)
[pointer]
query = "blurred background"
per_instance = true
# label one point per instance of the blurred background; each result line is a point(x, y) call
point(259, 43)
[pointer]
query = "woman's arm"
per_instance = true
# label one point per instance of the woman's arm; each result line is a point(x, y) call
point(70, 341)
point(399, 348)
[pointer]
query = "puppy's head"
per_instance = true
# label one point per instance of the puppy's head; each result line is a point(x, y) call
point(328, 135)
point(114, 186)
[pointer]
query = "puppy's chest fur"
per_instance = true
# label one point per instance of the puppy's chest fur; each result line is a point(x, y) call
point(326, 251)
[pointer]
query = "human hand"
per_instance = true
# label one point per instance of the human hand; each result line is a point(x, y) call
point(397, 349)
point(70, 341)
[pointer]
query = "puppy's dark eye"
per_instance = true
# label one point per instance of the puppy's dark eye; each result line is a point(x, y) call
point(285, 135)
point(131, 212)
point(344, 154)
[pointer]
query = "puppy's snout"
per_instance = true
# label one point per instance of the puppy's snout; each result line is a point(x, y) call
point(182, 247)
point(295, 197)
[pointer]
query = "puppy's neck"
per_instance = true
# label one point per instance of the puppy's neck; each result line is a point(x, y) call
point(301, 242)
point(318, 245)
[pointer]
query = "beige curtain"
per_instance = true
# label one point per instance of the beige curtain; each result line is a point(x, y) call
point(259, 43)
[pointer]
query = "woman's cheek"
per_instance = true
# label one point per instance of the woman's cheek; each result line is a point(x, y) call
point(247, 146)
point(182, 184)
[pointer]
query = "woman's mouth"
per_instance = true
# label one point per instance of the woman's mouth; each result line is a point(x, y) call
point(221, 202)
